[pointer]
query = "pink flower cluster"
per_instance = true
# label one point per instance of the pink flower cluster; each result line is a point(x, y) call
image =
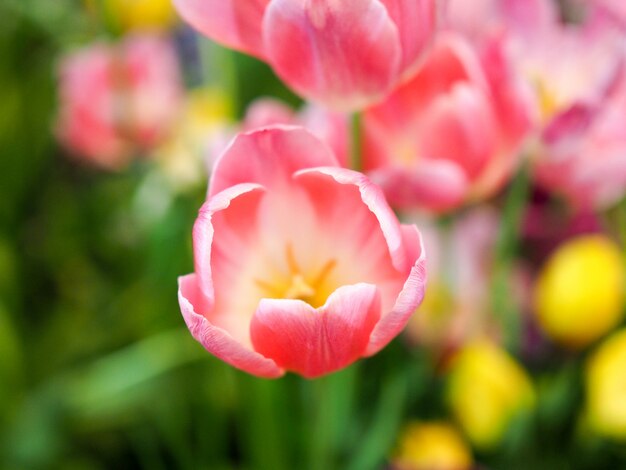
point(300, 263)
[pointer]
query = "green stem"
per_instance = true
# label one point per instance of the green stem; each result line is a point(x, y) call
point(332, 414)
point(263, 423)
point(382, 432)
point(506, 249)
point(356, 144)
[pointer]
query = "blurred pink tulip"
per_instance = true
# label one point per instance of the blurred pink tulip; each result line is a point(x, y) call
point(116, 100)
point(574, 70)
point(484, 19)
point(457, 307)
point(330, 127)
point(583, 154)
point(578, 75)
point(300, 265)
point(343, 53)
point(453, 133)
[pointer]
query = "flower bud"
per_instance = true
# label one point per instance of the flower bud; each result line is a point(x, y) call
point(579, 295)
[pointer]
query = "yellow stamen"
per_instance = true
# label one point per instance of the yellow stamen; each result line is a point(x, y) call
point(296, 285)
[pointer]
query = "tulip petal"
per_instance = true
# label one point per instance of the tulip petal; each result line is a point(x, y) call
point(315, 342)
point(265, 112)
point(343, 54)
point(416, 21)
point(203, 230)
point(372, 196)
point(461, 127)
point(436, 185)
point(266, 155)
point(410, 297)
point(234, 23)
point(217, 341)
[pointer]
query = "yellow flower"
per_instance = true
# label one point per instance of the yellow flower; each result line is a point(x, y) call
point(184, 158)
point(432, 446)
point(579, 295)
point(487, 389)
point(141, 14)
point(606, 387)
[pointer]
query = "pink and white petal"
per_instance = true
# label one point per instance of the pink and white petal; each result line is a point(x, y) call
point(269, 156)
point(343, 54)
point(452, 60)
point(598, 182)
point(265, 112)
point(233, 23)
point(411, 296)
point(215, 340)
point(416, 21)
point(461, 127)
point(434, 185)
point(248, 196)
point(529, 16)
point(513, 98)
point(314, 342)
point(370, 195)
point(330, 127)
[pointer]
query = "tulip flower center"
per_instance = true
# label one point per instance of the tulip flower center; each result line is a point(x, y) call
point(548, 103)
point(297, 285)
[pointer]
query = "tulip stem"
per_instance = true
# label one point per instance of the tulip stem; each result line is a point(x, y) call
point(356, 144)
point(333, 413)
point(507, 245)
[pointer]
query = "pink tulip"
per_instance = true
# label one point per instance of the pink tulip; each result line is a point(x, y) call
point(453, 133)
point(331, 128)
point(484, 19)
point(457, 307)
point(343, 53)
point(578, 75)
point(300, 265)
point(116, 100)
point(583, 154)
point(575, 72)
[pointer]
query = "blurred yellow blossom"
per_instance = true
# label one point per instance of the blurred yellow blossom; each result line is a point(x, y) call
point(606, 387)
point(432, 446)
point(579, 295)
point(141, 14)
point(487, 390)
point(184, 159)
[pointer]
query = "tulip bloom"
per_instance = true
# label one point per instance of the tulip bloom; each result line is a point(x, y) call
point(343, 53)
point(483, 19)
point(487, 390)
point(452, 134)
point(574, 71)
point(582, 156)
point(331, 128)
point(577, 74)
point(432, 446)
point(132, 15)
point(300, 265)
point(605, 378)
point(118, 99)
point(579, 296)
